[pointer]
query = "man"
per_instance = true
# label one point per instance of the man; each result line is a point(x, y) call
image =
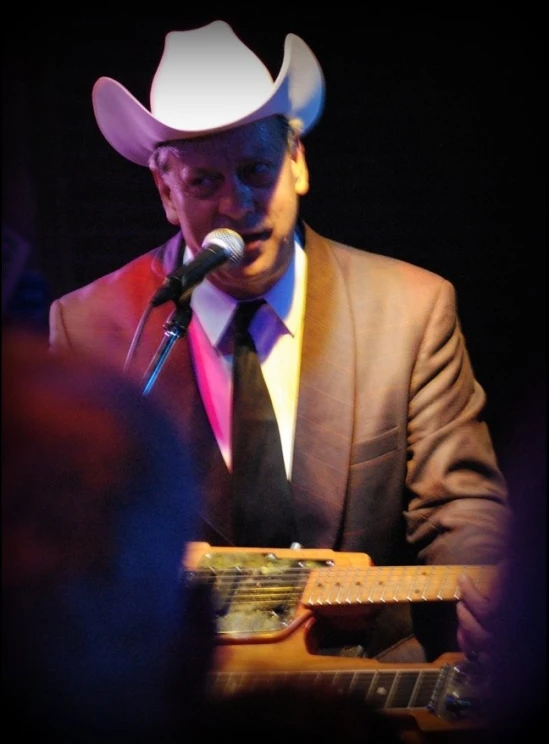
point(379, 414)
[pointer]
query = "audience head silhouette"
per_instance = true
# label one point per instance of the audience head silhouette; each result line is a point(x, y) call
point(97, 505)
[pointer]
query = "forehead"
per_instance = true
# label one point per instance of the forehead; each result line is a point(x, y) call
point(264, 138)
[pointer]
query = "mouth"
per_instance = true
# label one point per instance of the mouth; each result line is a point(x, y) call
point(253, 239)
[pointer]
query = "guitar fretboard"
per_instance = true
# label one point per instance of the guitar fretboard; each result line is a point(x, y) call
point(386, 584)
point(384, 689)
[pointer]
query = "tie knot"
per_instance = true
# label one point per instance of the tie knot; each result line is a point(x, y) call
point(244, 314)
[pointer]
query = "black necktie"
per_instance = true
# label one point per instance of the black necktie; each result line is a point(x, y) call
point(261, 498)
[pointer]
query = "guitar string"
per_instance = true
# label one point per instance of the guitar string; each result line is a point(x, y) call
point(324, 591)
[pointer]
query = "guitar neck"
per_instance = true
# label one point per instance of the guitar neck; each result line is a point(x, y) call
point(386, 584)
point(444, 691)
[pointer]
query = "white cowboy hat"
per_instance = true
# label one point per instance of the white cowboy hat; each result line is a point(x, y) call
point(208, 81)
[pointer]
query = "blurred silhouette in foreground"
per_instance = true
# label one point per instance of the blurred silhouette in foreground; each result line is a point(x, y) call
point(271, 713)
point(97, 505)
point(513, 631)
point(518, 656)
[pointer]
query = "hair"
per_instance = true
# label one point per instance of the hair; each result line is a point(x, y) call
point(290, 130)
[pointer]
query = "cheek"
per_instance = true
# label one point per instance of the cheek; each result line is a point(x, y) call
point(284, 206)
point(283, 201)
point(195, 222)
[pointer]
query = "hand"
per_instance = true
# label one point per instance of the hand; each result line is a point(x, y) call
point(475, 613)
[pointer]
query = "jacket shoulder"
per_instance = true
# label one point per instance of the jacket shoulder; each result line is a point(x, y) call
point(357, 264)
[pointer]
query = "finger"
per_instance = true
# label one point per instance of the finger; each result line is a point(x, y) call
point(472, 635)
point(480, 606)
point(492, 590)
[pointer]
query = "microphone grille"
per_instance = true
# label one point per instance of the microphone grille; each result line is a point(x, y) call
point(231, 242)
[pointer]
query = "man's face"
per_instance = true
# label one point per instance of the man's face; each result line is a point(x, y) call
point(245, 179)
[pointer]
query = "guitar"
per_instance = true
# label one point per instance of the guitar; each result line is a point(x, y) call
point(448, 694)
point(268, 604)
point(262, 595)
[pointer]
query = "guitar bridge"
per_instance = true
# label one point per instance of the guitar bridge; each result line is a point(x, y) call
point(254, 592)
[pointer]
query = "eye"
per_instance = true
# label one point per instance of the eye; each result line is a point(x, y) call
point(260, 174)
point(202, 186)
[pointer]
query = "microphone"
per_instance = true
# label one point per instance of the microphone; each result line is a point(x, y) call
point(218, 247)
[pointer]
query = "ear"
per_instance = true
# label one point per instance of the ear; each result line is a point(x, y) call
point(300, 169)
point(165, 192)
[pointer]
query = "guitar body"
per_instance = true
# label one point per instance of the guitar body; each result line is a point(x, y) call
point(274, 608)
point(260, 591)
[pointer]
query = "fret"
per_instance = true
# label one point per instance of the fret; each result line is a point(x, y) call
point(385, 583)
point(427, 684)
point(346, 682)
point(403, 688)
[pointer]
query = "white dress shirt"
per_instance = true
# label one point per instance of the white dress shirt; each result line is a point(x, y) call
point(277, 330)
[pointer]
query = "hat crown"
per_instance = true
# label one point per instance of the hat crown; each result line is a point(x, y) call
point(205, 71)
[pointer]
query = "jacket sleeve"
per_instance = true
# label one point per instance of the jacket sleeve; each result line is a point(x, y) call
point(458, 511)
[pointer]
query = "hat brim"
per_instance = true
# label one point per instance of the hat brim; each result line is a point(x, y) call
point(298, 92)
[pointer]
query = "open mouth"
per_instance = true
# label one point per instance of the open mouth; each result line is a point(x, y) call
point(256, 237)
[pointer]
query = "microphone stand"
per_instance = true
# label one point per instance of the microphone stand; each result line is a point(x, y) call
point(174, 329)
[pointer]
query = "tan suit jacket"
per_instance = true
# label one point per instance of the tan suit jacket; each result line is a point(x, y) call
point(392, 457)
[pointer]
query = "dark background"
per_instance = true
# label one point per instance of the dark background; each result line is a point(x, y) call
point(431, 149)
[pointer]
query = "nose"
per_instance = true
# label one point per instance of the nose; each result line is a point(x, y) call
point(236, 199)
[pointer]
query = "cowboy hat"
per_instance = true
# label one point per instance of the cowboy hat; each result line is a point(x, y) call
point(208, 81)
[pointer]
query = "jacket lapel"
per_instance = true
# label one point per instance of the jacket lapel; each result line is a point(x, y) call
point(326, 394)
